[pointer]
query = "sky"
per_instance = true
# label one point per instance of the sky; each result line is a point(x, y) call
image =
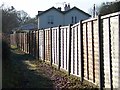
point(33, 6)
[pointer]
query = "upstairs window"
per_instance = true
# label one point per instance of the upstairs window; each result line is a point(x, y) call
point(73, 19)
point(50, 20)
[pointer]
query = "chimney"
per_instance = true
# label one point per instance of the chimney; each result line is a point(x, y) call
point(59, 8)
point(67, 7)
point(94, 11)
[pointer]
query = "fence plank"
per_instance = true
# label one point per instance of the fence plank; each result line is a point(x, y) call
point(87, 51)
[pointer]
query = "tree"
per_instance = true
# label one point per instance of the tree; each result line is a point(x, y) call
point(105, 8)
point(9, 19)
point(31, 20)
point(12, 18)
point(109, 7)
point(23, 16)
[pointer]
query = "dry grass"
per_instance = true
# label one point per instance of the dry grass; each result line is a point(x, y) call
point(26, 72)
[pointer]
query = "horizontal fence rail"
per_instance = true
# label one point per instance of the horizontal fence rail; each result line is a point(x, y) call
point(89, 49)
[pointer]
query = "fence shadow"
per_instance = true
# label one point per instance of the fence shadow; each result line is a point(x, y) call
point(20, 76)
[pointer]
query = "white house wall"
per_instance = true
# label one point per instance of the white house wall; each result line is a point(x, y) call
point(43, 19)
point(79, 15)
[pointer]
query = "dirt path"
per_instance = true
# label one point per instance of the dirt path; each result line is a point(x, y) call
point(31, 73)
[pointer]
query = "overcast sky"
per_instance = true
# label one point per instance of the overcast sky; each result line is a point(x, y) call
point(33, 6)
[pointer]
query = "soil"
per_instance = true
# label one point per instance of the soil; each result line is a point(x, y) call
point(27, 72)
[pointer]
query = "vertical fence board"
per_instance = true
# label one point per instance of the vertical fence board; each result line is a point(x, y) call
point(90, 58)
point(84, 51)
point(115, 28)
point(96, 51)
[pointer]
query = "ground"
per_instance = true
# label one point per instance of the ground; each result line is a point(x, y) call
point(26, 72)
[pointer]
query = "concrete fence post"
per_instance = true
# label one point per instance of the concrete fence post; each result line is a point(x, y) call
point(38, 46)
point(69, 55)
point(59, 61)
point(101, 69)
point(81, 52)
point(44, 43)
point(51, 46)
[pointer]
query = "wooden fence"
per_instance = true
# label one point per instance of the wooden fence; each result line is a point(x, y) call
point(89, 49)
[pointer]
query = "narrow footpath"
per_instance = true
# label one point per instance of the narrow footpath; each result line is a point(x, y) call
point(26, 72)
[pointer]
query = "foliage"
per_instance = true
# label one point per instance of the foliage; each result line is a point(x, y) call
point(31, 20)
point(23, 16)
point(9, 19)
point(109, 7)
point(105, 8)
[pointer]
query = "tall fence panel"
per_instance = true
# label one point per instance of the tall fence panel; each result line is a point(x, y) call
point(106, 52)
point(55, 44)
point(75, 49)
point(111, 51)
point(115, 50)
point(47, 45)
point(41, 44)
point(91, 51)
point(64, 47)
point(96, 51)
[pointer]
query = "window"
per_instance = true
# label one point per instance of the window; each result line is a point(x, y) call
point(74, 19)
point(50, 20)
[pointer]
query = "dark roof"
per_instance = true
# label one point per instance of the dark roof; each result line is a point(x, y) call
point(63, 12)
point(30, 26)
point(49, 10)
point(78, 10)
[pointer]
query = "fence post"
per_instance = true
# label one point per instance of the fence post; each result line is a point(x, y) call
point(69, 55)
point(59, 61)
point(29, 43)
point(20, 41)
point(38, 46)
point(111, 83)
point(100, 38)
point(81, 52)
point(34, 46)
point(32, 43)
point(44, 44)
point(51, 45)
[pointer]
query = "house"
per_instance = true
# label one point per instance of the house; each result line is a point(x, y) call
point(25, 28)
point(55, 16)
point(30, 26)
